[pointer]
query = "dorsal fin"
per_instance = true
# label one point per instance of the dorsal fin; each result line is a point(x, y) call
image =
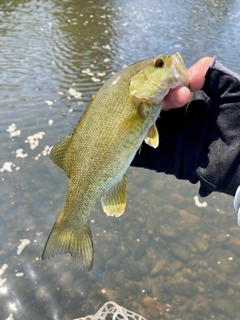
point(59, 153)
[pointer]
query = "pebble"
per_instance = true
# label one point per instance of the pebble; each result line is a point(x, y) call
point(139, 251)
point(119, 280)
point(202, 263)
point(158, 267)
point(187, 274)
point(180, 287)
point(220, 281)
point(169, 209)
point(191, 248)
point(177, 264)
point(234, 245)
point(189, 217)
point(179, 251)
point(131, 272)
point(234, 231)
point(167, 231)
point(203, 275)
point(222, 237)
point(154, 308)
point(230, 292)
point(177, 200)
point(224, 262)
point(158, 185)
point(200, 244)
point(108, 252)
point(144, 266)
point(223, 307)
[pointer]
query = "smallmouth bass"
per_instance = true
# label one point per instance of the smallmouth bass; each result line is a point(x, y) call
point(96, 155)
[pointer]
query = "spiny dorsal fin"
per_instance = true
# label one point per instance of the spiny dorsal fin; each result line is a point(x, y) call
point(59, 153)
point(152, 138)
point(114, 201)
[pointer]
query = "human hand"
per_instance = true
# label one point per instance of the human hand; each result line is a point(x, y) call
point(180, 96)
point(200, 141)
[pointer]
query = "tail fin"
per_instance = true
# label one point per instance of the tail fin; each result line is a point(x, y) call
point(75, 240)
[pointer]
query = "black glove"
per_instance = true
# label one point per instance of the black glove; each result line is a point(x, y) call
point(201, 141)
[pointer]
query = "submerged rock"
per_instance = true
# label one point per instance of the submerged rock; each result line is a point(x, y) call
point(180, 287)
point(224, 261)
point(179, 251)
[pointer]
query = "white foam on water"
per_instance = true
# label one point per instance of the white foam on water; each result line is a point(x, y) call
point(95, 79)
point(12, 131)
point(7, 166)
point(34, 139)
point(75, 93)
point(46, 151)
point(16, 133)
point(20, 154)
point(19, 274)
point(48, 102)
point(88, 72)
point(107, 46)
point(101, 74)
point(23, 244)
point(11, 128)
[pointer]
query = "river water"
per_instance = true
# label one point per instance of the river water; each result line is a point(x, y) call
point(168, 256)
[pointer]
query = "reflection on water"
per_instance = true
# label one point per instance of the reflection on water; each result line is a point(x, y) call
point(166, 256)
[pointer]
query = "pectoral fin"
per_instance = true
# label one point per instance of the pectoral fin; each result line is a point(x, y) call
point(114, 201)
point(152, 138)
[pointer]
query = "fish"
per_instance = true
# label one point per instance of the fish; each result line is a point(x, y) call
point(101, 147)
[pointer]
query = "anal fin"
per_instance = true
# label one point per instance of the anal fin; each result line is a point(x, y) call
point(114, 201)
point(152, 138)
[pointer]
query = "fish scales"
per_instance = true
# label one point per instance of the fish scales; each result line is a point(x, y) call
point(98, 152)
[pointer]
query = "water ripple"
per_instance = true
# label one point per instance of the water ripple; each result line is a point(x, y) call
point(54, 55)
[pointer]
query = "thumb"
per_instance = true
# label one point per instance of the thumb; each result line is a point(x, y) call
point(197, 73)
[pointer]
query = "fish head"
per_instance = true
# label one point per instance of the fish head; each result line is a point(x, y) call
point(161, 73)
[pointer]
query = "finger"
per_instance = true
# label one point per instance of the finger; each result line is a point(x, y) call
point(180, 96)
point(176, 98)
point(197, 73)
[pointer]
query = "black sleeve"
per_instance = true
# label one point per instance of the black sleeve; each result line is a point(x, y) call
point(201, 141)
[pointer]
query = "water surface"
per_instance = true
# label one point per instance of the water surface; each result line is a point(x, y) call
point(166, 257)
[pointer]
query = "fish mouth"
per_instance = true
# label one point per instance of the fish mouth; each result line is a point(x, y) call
point(181, 81)
point(181, 72)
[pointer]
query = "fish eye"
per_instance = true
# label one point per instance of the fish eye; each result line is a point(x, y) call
point(159, 63)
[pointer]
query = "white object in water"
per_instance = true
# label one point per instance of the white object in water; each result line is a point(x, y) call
point(117, 312)
point(237, 204)
point(23, 244)
point(198, 203)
